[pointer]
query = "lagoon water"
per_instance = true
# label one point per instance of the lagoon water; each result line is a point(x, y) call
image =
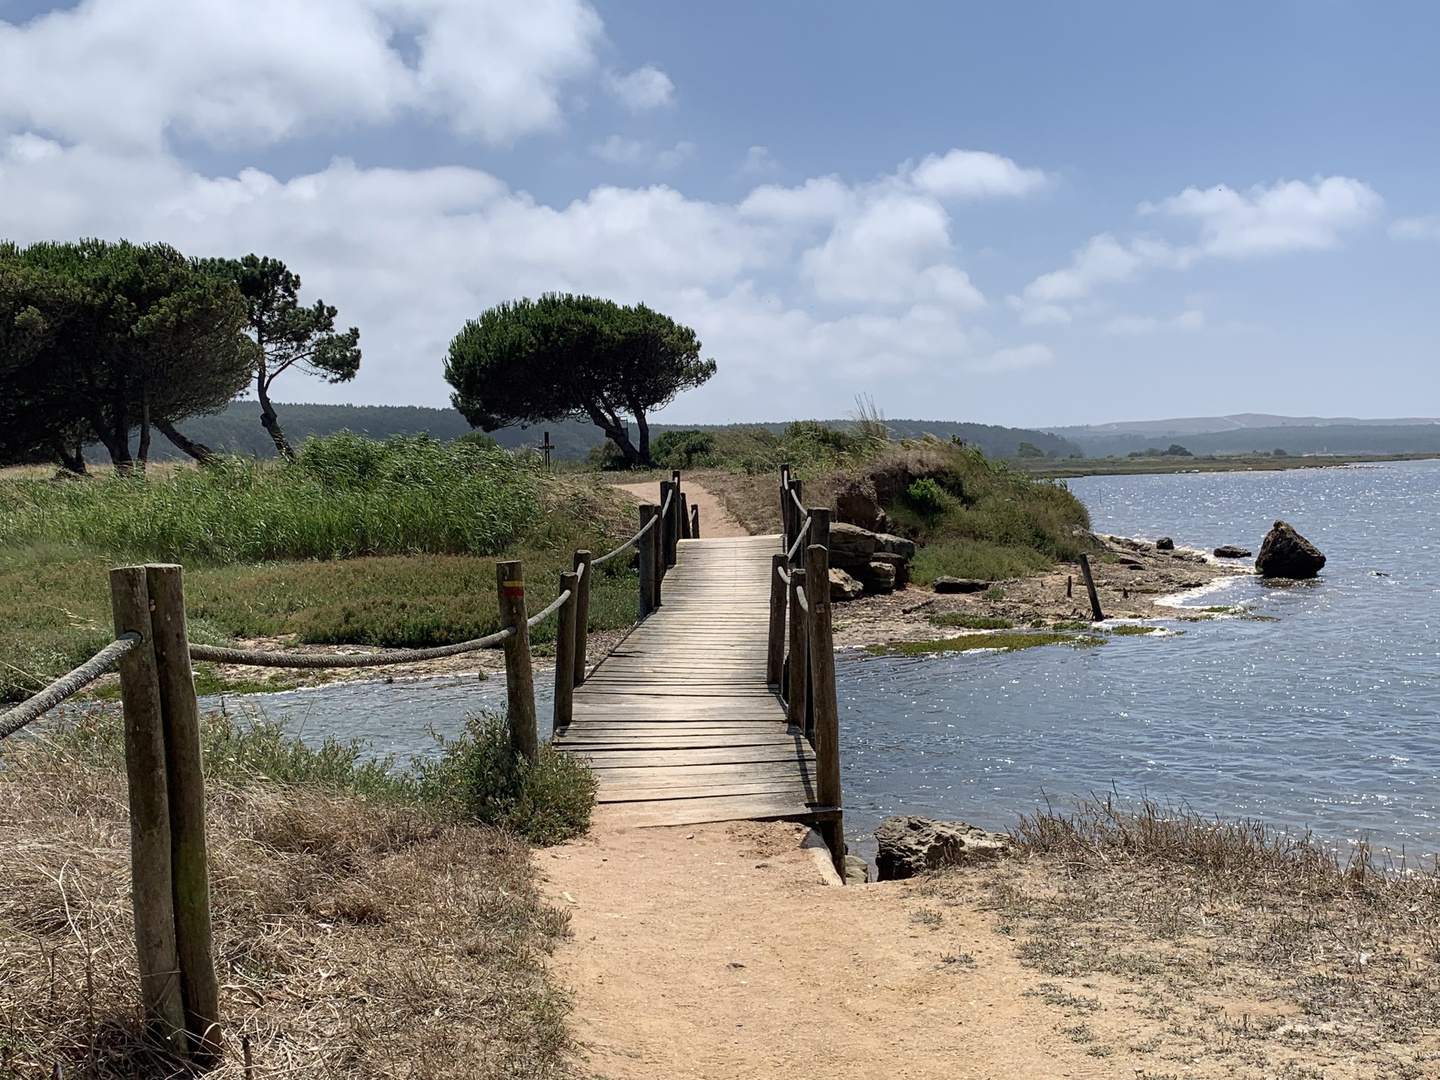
point(1326, 718)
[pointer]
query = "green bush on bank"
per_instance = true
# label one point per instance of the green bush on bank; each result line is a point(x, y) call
point(343, 496)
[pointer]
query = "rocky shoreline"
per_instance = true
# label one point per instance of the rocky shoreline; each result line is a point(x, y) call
point(1134, 579)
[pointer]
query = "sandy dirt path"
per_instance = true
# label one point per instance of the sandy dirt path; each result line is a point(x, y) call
point(717, 951)
point(714, 521)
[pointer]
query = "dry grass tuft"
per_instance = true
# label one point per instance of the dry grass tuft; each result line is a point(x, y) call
point(353, 938)
point(1222, 948)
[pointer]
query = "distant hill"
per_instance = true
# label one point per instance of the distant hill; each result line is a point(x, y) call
point(1236, 422)
point(1423, 438)
point(237, 430)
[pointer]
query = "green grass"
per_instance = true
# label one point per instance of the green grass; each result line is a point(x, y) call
point(1131, 630)
point(971, 642)
point(343, 496)
point(971, 622)
point(976, 559)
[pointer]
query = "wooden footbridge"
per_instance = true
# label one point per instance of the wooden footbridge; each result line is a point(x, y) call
point(685, 720)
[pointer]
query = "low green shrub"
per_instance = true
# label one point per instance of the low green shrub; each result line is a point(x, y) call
point(481, 777)
point(925, 497)
point(971, 622)
point(682, 449)
point(975, 559)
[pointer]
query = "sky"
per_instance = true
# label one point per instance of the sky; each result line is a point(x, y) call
point(1032, 213)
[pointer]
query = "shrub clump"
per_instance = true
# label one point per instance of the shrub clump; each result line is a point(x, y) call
point(481, 777)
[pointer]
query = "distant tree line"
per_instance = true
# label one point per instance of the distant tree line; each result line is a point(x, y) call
point(99, 340)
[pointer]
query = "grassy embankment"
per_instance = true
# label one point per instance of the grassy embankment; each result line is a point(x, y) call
point(1176, 944)
point(355, 542)
point(365, 924)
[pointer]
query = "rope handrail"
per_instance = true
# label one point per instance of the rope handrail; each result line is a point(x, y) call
point(543, 615)
point(68, 685)
point(628, 543)
point(799, 539)
point(795, 499)
point(802, 600)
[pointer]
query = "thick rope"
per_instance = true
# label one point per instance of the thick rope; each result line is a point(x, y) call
point(635, 539)
point(255, 658)
point(799, 539)
point(12, 720)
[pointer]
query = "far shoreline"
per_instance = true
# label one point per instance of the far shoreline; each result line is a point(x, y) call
point(1074, 468)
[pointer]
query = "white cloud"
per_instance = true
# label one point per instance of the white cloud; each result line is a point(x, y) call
point(643, 89)
point(618, 150)
point(1286, 217)
point(125, 73)
point(1020, 358)
point(975, 174)
point(1290, 215)
point(1416, 228)
point(758, 161)
point(1140, 325)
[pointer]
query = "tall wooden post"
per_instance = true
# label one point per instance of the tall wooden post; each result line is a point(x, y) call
point(582, 614)
point(1090, 587)
point(672, 525)
point(819, 526)
point(668, 498)
point(798, 488)
point(822, 694)
point(694, 523)
point(775, 642)
point(799, 664)
point(151, 889)
point(185, 778)
point(565, 653)
point(787, 527)
point(519, 676)
point(649, 570)
point(684, 517)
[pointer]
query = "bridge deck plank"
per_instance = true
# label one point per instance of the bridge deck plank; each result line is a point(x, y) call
point(677, 722)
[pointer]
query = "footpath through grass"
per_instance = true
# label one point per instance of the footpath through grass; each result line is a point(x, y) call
point(356, 542)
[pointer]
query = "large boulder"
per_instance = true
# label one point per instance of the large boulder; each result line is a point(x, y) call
point(843, 586)
point(850, 544)
point(1287, 554)
point(876, 576)
point(911, 845)
point(895, 545)
point(857, 506)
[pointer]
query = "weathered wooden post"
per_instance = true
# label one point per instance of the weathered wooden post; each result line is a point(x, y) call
point(151, 889)
point(694, 523)
point(668, 498)
point(823, 698)
point(519, 676)
point(565, 635)
point(684, 517)
point(787, 525)
point(645, 549)
point(672, 522)
point(185, 779)
point(819, 526)
point(582, 614)
point(1090, 587)
point(775, 642)
point(795, 691)
point(798, 488)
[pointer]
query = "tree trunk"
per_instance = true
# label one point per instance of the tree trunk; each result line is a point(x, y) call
point(75, 462)
point(197, 450)
point(269, 421)
point(615, 432)
point(144, 453)
point(115, 439)
point(644, 426)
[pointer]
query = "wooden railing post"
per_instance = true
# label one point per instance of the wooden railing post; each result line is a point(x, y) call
point(694, 523)
point(185, 779)
point(519, 676)
point(1090, 587)
point(565, 634)
point(151, 890)
point(672, 523)
point(775, 642)
point(795, 690)
point(822, 694)
point(819, 526)
point(663, 528)
point(684, 517)
point(798, 488)
point(582, 615)
point(787, 526)
point(649, 570)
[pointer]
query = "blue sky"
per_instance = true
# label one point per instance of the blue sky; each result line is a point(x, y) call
point(1030, 213)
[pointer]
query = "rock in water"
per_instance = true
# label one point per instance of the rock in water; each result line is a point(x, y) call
point(911, 845)
point(1230, 551)
point(1287, 554)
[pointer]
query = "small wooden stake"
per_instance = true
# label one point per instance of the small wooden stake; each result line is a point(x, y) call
point(582, 615)
point(151, 890)
point(799, 663)
point(185, 774)
point(1090, 586)
point(565, 654)
point(775, 642)
point(519, 676)
point(822, 695)
point(1069, 586)
point(649, 571)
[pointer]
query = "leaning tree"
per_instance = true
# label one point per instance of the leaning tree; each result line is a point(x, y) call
point(104, 338)
point(288, 334)
point(567, 356)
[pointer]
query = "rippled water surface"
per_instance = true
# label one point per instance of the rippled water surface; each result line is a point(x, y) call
point(1327, 718)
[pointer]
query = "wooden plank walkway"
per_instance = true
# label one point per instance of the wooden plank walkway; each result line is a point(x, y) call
point(678, 723)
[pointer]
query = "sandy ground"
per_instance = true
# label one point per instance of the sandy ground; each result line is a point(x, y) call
point(719, 951)
point(714, 520)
